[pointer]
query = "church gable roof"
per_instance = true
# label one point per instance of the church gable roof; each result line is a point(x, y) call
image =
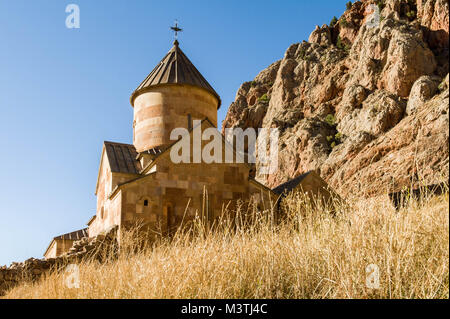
point(309, 182)
point(290, 185)
point(122, 158)
point(76, 235)
point(175, 68)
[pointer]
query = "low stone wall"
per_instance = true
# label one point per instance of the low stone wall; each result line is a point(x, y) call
point(96, 248)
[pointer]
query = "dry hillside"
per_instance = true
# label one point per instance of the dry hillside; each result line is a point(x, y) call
point(310, 255)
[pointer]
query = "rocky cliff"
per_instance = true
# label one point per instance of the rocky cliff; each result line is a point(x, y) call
point(365, 101)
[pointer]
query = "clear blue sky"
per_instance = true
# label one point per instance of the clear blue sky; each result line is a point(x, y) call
point(64, 91)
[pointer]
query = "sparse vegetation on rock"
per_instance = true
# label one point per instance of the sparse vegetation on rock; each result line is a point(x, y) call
point(333, 21)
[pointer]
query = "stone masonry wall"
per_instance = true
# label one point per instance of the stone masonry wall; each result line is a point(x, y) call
point(164, 108)
point(32, 269)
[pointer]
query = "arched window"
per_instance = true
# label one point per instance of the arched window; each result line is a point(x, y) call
point(102, 213)
point(145, 202)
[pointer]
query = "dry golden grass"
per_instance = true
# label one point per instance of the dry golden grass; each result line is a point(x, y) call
point(310, 255)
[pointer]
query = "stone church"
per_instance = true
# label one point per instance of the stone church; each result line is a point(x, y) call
point(139, 182)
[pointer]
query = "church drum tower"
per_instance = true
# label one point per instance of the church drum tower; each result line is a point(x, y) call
point(172, 96)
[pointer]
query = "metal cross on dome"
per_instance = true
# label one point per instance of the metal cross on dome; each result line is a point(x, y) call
point(176, 29)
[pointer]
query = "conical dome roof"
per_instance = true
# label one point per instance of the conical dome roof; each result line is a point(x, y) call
point(174, 68)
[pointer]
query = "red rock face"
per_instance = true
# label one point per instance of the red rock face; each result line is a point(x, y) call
point(414, 152)
point(434, 18)
point(365, 104)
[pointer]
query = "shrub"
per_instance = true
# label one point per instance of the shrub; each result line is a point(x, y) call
point(343, 23)
point(341, 45)
point(330, 119)
point(335, 140)
point(411, 14)
point(333, 21)
point(339, 42)
point(349, 5)
point(264, 98)
point(302, 53)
